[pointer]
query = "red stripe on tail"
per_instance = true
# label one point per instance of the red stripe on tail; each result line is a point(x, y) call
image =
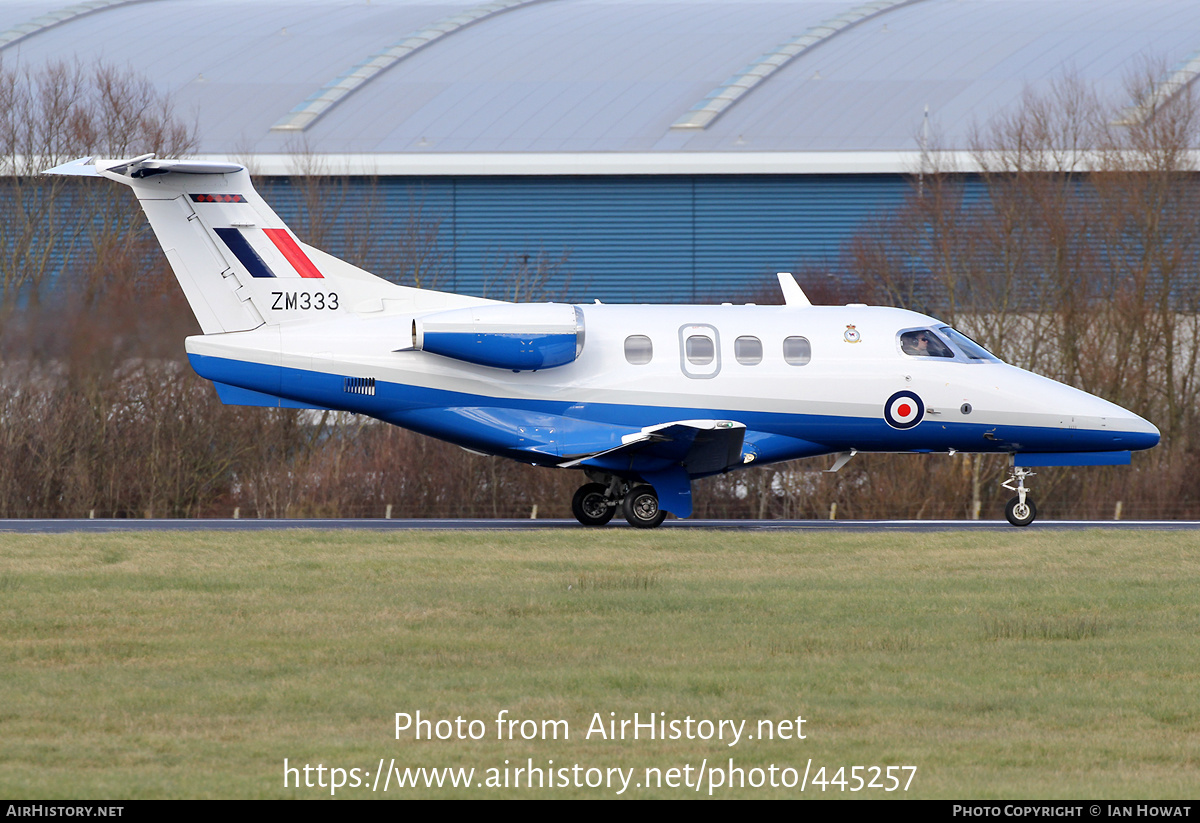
point(299, 260)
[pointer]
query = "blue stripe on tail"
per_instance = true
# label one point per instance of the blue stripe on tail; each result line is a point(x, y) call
point(244, 252)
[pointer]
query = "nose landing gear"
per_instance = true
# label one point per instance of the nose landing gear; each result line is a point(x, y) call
point(1020, 510)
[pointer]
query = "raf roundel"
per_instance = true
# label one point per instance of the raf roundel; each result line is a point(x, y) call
point(903, 410)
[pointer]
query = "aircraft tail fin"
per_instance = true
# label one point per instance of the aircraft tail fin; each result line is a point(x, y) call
point(239, 265)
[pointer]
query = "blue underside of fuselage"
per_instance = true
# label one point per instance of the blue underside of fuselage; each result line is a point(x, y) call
point(548, 432)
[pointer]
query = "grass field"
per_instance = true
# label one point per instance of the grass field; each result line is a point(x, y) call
point(1021, 665)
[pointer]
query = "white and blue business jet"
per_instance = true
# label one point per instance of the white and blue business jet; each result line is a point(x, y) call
point(641, 399)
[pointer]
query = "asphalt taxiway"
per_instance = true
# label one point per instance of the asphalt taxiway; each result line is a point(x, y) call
point(96, 526)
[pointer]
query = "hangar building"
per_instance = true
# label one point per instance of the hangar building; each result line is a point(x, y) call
point(645, 150)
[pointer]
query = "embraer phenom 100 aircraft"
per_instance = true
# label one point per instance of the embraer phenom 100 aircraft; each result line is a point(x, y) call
point(641, 399)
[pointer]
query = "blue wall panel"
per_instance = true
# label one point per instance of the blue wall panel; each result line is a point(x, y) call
point(748, 228)
point(618, 237)
point(655, 238)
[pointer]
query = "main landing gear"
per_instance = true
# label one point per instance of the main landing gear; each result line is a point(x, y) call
point(592, 505)
point(596, 503)
point(1020, 510)
point(641, 508)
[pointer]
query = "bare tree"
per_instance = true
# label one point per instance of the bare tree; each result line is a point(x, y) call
point(528, 277)
point(1150, 243)
point(50, 115)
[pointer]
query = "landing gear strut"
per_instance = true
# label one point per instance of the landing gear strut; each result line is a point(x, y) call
point(1020, 510)
point(595, 504)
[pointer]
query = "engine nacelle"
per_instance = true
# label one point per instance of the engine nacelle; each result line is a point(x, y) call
point(521, 337)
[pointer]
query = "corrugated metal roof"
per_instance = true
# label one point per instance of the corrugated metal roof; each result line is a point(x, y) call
point(870, 87)
point(44, 20)
point(367, 69)
point(607, 76)
point(720, 99)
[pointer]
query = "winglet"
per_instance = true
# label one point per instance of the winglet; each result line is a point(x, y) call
point(793, 295)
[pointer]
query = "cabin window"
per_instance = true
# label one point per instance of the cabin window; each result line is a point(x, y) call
point(748, 350)
point(700, 350)
point(924, 343)
point(797, 351)
point(638, 349)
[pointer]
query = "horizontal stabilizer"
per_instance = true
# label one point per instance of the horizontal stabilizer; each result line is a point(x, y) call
point(143, 166)
point(83, 167)
point(149, 167)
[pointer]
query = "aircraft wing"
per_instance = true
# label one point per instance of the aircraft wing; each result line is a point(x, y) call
point(665, 455)
point(668, 455)
point(700, 446)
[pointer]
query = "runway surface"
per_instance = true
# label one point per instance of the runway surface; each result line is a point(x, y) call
point(119, 525)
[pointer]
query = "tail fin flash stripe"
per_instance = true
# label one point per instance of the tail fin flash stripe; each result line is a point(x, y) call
point(218, 198)
point(244, 253)
point(294, 254)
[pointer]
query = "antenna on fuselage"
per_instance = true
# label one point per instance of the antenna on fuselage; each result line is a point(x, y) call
point(793, 295)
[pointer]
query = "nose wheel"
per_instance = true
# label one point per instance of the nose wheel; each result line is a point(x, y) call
point(1020, 510)
point(1020, 514)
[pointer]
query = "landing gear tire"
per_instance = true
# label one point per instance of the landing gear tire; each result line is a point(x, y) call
point(1020, 511)
point(641, 508)
point(591, 505)
point(1020, 514)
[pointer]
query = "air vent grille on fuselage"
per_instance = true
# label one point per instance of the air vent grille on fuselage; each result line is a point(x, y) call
point(359, 385)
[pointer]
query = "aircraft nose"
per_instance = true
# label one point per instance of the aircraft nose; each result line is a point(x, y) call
point(1140, 433)
point(1127, 430)
point(1092, 423)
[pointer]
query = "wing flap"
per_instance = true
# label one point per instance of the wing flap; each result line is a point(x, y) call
point(698, 446)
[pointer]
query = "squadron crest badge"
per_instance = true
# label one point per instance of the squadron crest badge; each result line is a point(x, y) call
point(852, 335)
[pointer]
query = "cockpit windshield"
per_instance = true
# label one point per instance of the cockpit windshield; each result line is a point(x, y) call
point(945, 342)
point(924, 343)
point(967, 346)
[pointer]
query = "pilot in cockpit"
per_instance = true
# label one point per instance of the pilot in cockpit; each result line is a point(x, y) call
point(923, 343)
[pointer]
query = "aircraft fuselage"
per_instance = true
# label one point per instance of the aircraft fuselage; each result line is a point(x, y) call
point(833, 401)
